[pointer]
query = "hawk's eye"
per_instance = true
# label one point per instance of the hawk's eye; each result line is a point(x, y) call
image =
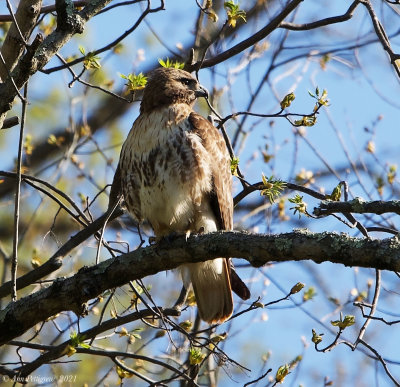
point(186, 81)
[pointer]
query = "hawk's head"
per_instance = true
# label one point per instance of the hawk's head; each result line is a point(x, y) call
point(166, 86)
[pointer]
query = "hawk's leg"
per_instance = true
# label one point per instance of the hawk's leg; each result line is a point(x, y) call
point(181, 299)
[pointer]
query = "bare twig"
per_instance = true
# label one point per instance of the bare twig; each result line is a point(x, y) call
point(258, 379)
point(264, 32)
point(21, 36)
point(133, 372)
point(373, 306)
point(323, 22)
point(14, 261)
point(381, 34)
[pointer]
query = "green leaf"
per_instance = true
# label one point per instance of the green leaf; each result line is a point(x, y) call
point(296, 288)
point(316, 338)
point(306, 121)
point(196, 356)
point(336, 193)
point(234, 13)
point(322, 100)
point(345, 322)
point(218, 338)
point(186, 325)
point(91, 61)
point(135, 82)
point(300, 206)
point(234, 166)
point(170, 64)
point(282, 373)
point(77, 340)
point(287, 100)
point(272, 188)
point(309, 294)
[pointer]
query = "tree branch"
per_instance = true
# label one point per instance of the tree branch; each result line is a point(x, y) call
point(54, 352)
point(358, 206)
point(323, 22)
point(72, 293)
point(264, 32)
point(45, 9)
point(55, 261)
point(19, 33)
point(36, 58)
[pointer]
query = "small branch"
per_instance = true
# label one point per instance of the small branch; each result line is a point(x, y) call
point(55, 261)
point(362, 305)
point(14, 260)
point(76, 77)
point(258, 379)
point(373, 307)
point(323, 22)
point(10, 77)
point(358, 206)
point(113, 354)
point(57, 351)
point(133, 372)
point(376, 353)
point(260, 186)
point(381, 34)
point(28, 178)
point(15, 23)
point(237, 49)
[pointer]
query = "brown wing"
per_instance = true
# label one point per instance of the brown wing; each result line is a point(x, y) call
point(116, 189)
point(221, 195)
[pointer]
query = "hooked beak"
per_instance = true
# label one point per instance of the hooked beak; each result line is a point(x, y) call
point(201, 92)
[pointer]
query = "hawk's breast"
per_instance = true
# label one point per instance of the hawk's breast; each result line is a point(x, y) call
point(165, 171)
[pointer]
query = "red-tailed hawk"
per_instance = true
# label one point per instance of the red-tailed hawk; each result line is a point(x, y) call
point(174, 171)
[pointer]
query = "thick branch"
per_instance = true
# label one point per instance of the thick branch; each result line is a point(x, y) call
point(31, 62)
point(43, 10)
point(14, 44)
point(72, 293)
